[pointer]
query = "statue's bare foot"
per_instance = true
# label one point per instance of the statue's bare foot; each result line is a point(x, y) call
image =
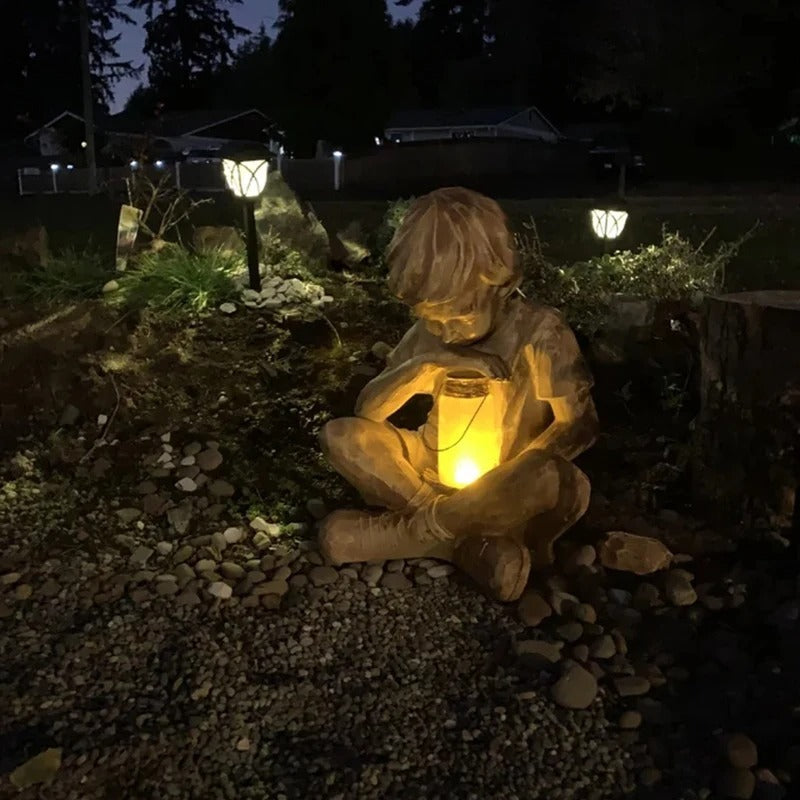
point(499, 565)
point(357, 536)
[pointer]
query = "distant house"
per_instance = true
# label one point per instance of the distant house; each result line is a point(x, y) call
point(516, 122)
point(171, 136)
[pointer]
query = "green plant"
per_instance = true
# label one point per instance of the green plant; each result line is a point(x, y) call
point(173, 280)
point(71, 275)
point(280, 257)
point(392, 220)
point(674, 269)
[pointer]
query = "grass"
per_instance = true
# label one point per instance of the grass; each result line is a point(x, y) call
point(72, 275)
point(173, 280)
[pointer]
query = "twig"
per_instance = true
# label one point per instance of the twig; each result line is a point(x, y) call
point(333, 328)
point(114, 325)
point(107, 428)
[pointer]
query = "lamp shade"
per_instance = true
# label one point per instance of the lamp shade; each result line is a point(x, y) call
point(608, 224)
point(246, 178)
point(470, 429)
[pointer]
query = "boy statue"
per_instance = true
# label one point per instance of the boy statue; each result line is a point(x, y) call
point(453, 262)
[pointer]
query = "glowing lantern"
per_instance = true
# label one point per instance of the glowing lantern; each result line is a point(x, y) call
point(608, 224)
point(470, 429)
point(246, 178)
point(246, 175)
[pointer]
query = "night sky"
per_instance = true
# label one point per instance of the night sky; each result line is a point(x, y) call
point(249, 15)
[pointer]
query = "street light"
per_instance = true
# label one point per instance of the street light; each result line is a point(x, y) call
point(245, 173)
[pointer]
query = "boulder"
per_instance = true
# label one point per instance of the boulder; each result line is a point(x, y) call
point(630, 553)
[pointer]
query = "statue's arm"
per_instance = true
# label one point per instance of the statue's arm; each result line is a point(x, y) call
point(394, 387)
point(574, 427)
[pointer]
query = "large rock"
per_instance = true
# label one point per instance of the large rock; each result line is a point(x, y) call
point(29, 246)
point(630, 553)
point(287, 227)
point(224, 238)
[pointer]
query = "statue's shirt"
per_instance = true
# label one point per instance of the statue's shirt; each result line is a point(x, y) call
point(545, 360)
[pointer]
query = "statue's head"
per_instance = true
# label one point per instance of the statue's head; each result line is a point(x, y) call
point(453, 261)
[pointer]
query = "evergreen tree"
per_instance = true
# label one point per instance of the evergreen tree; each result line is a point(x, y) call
point(332, 75)
point(41, 59)
point(189, 42)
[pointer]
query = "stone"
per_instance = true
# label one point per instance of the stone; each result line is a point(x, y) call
point(441, 571)
point(243, 745)
point(188, 598)
point(646, 597)
point(260, 524)
point(539, 651)
point(180, 517)
point(221, 489)
point(69, 416)
point(279, 588)
point(322, 576)
point(154, 505)
point(192, 449)
point(50, 588)
point(570, 631)
point(316, 507)
point(397, 565)
point(186, 485)
point(630, 720)
point(140, 555)
point(147, 487)
point(128, 515)
point(576, 688)
point(231, 571)
point(741, 751)
point(205, 565)
point(395, 581)
point(603, 647)
point(381, 350)
point(219, 542)
point(586, 614)
point(188, 461)
point(209, 460)
point(221, 590)
point(166, 588)
point(271, 601)
point(233, 535)
point(631, 686)
point(183, 554)
point(10, 578)
point(628, 552)
point(678, 588)
point(736, 784)
point(23, 591)
point(228, 308)
point(583, 556)
point(371, 574)
point(533, 609)
point(42, 768)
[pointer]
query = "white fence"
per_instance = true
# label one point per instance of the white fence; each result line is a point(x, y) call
point(203, 176)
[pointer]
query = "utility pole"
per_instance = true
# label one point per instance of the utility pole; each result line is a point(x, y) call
point(88, 101)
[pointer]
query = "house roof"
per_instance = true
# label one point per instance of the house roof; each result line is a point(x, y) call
point(185, 123)
point(454, 118)
point(53, 121)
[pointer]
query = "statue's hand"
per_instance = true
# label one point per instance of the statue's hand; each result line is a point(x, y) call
point(469, 359)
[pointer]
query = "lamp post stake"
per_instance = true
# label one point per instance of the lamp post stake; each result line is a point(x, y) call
point(252, 244)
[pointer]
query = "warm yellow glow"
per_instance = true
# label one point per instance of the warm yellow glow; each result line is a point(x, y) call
point(470, 430)
point(246, 178)
point(608, 224)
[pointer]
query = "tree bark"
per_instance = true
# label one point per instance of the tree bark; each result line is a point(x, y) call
point(746, 460)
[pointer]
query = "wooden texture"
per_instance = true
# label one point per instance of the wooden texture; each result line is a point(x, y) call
point(747, 438)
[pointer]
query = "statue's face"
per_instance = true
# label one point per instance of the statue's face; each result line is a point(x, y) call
point(454, 325)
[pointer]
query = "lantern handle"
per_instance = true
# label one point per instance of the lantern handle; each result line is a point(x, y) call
point(460, 438)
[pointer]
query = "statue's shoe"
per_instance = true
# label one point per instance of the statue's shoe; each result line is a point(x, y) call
point(499, 565)
point(353, 536)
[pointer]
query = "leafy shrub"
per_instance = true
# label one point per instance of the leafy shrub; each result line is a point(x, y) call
point(674, 269)
point(280, 215)
point(173, 280)
point(392, 220)
point(71, 275)
point(280, 258)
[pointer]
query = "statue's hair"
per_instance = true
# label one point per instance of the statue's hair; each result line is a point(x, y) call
point(451, 242)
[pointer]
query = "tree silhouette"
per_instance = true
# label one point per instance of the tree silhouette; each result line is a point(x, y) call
point(189, 43)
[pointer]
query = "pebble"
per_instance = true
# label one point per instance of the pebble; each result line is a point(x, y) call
point(192, 449)
point(220, 589)
point(395, 566)
point(539, 650)
point(371, 574)
point(188, 598)
point(630, 720)
point(678, 588)
point(128, 515)
point(441, 571)
point(233, 535)
point(737, 784)
point(10, 578)
point(140, 555)
point(741, 751)
point(570, 631)
point(316, 507)
point(632, 686)
point(576, 689)
point(186, 485)
point(277, 587)
point(322, 576)
point(205, 565)
point(219, 542)
point(603, 647)
point(164, 548)
point(231, 570)
point(183, 554)
point(533, 609)
point(586, 614)
point(208, 461)
point(50, 588)
point(395, 581)
point(221, 489)
point(23, 591)
point(188, 461)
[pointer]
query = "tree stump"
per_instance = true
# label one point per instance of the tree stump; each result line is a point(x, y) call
point(746, 461)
